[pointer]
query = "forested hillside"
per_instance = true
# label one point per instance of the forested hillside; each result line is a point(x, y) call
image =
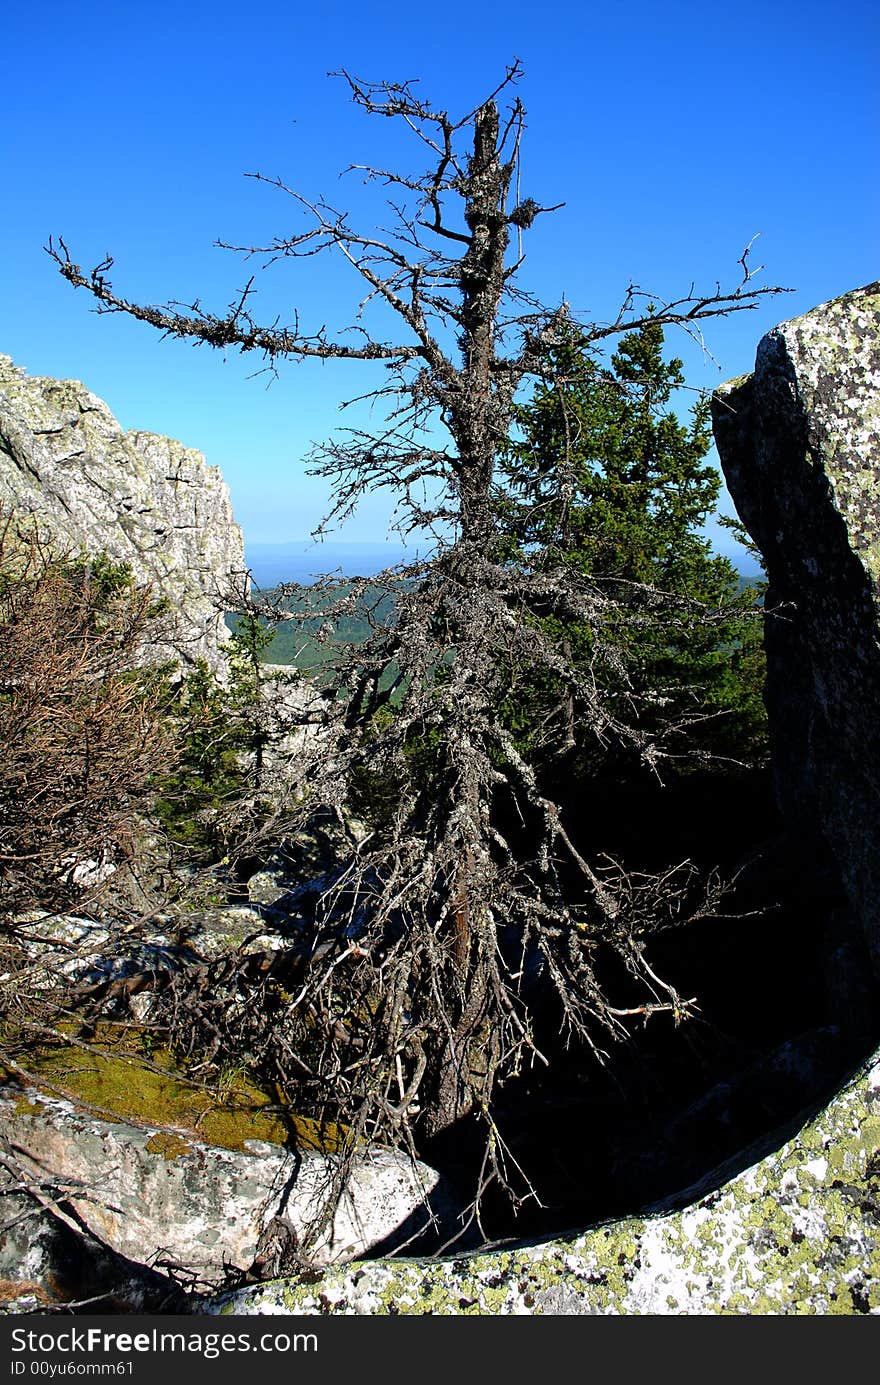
point(304, 642)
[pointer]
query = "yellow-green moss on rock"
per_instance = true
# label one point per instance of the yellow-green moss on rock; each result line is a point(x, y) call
point(162, 1194)
point(111, 1077)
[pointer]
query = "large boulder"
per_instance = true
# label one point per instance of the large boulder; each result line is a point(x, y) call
point(145, 500)
point(799, 442)
point(164, 1199)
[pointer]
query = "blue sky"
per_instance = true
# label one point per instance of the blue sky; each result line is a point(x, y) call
point(673, 133)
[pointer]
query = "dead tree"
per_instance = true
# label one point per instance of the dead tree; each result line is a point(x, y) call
point(413, 1009)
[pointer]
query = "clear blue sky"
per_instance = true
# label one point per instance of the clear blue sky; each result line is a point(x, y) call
point(673, 132)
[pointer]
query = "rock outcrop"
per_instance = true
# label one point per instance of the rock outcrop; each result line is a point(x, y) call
point(799, 442)
point(145, 500)
point(124, 1176)
point(796, 1233)
point(166, 1200)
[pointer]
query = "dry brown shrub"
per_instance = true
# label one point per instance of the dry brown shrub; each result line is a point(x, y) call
point(80, 720)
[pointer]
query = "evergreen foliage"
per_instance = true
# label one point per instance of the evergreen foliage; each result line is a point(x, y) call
point(220, 732)
point(602, 478)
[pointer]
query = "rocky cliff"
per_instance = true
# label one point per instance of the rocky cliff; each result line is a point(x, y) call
point(144, 499)
point(799, 442)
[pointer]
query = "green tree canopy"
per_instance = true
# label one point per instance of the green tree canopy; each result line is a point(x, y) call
point(603, 478)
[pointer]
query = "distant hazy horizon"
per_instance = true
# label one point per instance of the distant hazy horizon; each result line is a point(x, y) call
point(304, 560)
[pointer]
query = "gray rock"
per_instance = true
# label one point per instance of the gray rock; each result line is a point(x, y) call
point(46, 1259)
point(27, 1248)
point(144, 499)
point(799, 442)
point(163, 1199)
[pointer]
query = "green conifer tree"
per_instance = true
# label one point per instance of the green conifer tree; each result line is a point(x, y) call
point(602, 477)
